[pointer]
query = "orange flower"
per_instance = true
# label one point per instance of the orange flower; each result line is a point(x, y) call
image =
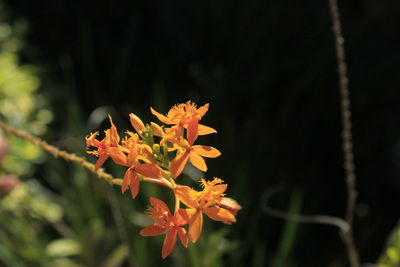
point(165, 222)
point(111, 140)
point(194, 153)
point(184, 115)
point(206, 201)
point(139, 161)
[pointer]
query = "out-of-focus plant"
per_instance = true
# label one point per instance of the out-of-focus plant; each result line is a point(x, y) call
point(391, 255)
point(25, 210)
point(20, 104)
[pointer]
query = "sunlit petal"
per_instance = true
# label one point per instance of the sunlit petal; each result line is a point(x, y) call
point(178, 163)
point(160, 116)
point(187, 196)
point(195, 226)
point(198, 161)
point(204, 130)
point(220, 214)
point(206, 151)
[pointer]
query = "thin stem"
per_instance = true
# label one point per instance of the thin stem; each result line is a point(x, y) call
point(348, 161)
point(162, 181)
point(56, 152)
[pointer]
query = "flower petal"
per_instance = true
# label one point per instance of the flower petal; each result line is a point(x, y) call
point(192, 131)
point(160, 116)
point(182, 217)
point(149, 170)
point(220, 214)
point(169, 243)
point(202, 110)
point(195, 226)
point(204, 130)
point(117, 155)
point(114, 137)
point(152, 230)
point(178, 163)
point(126, 181)
point(198, 161)
point(183, 236)
point(100, 162)
point(134, 185)
point(206, 151)
point(159, 204)
point(187, 196)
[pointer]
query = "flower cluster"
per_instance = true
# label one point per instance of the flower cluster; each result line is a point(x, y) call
point(158, 154)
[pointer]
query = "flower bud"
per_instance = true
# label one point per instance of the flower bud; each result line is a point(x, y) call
point(230, 204)
point(157, 130)
point(136, 123)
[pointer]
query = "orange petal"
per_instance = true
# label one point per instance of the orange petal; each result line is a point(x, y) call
point(198, 161)
point(187, 196)
point(91, 140)
point(178, 163)
point(160, 116)
point(117, 155)
point(206, 151)
point(152, 230)
point(195, 226)
point(134, 184)
point(182, 217)
point(126, 181)
point(193, 131)
point(169, 243)
point(204, 130)
point(136, 122)
point(220, 214)
point(149, 170)
point(114, 137)
point(202, 110)
point(155, 202)
point(100, 162)
point(183, 236)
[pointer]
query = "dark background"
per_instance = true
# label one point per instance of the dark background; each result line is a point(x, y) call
point(268, 70)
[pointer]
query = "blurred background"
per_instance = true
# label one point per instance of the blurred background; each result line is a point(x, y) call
point(268, 70)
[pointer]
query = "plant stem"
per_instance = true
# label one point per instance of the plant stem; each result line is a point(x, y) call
point(56, 152)
point(348, 161)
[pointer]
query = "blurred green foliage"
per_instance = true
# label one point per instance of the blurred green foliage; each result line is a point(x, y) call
point(391, 254)
point(19, 104)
